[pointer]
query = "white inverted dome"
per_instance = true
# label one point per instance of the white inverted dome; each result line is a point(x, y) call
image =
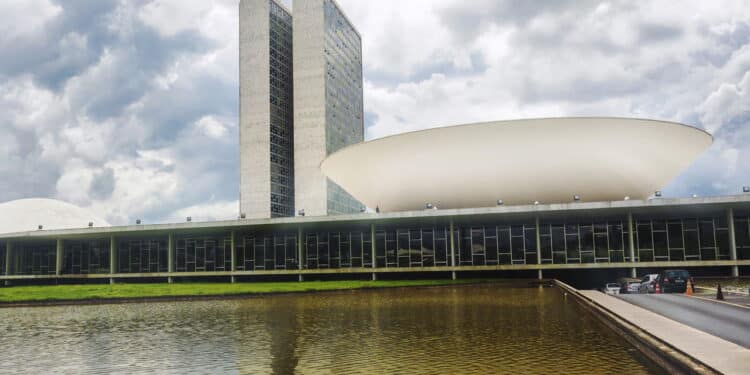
point(25, 215)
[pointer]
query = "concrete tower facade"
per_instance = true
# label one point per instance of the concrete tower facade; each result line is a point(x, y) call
point(328, 105)
point(266, 110)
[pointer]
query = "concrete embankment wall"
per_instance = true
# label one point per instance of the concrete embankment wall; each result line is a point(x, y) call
point(668, 357)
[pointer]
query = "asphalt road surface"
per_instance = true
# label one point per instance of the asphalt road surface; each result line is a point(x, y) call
point(728, 322)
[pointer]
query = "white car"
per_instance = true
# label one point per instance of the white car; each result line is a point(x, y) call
point(631, 287)
point(612, 288)
point(647, 283)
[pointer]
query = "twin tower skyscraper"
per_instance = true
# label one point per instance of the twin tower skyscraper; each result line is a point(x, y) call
point(300, 100)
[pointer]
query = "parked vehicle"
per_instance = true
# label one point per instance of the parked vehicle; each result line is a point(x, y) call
point(673, 281)
point(612, 288)
point(629, 285)
point(648, 282)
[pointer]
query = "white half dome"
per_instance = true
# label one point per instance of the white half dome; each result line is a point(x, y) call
point(520, 161)
point(25, 215)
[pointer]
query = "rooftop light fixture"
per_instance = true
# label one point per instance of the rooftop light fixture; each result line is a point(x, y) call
point(138, 221)
point(362, 209)
point(695, 195)
point(576, 197)
point(657, 193)
point(499, 202)
point(428, 206)
point(301, 212)
point(536, 202)
point(41, 227)
point(746, 189)
point(91, 224)
point(242, 215)
point(627, 198)
point(189, 219)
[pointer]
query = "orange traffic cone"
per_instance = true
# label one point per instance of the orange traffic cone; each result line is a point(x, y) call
point(689, 288)
point(657, 288)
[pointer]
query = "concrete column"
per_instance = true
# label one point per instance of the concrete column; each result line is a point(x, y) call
point(453, 250)
point(233, 260)
point(631, 244)
point(538, 247)
point(112, 258)
point(59, 257)
point(8, 251)
point(170, 256)
point(372, 250)
point(300, 253)
point(732, 242)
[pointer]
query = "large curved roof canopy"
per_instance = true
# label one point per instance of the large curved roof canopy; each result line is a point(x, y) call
point(25, 215)
point(519, 161)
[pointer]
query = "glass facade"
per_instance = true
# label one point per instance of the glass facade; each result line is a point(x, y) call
point(343, 88)
point(203, 253)
point(742, 236)
point(33, 258)
point(339, 249)
point(266, 251)
point(349, 245)
point(142, 255)
point(282, 112)
point(85, 257)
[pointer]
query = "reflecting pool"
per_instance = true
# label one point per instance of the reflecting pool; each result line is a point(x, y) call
point(491, 328)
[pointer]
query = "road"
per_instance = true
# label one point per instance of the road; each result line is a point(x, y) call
point(726, 321)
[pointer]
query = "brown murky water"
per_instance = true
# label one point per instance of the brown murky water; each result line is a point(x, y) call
point(456, 330)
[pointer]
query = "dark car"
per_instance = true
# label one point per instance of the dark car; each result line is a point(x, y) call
point(673, 281)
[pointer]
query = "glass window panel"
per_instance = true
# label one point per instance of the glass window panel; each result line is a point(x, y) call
point(691, 243)
point(600, 242)
point(660, 244)
point(518, 249)
point(645, 241)
point(571, 243)
point(587, 238)
point(675, 235)
point(558, 238)
point(659, 225)
point(707, 233)
point(491, 249)
point(546, 247)
point(722, 243)
point(741, 233)
point(503, 239)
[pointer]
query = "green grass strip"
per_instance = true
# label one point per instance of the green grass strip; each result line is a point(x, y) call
point(19, 294)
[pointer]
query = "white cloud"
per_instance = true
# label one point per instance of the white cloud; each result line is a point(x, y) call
point(139, 102)
point(206, 212)
point(211, 127)
point(25, 16)
point(727, 103)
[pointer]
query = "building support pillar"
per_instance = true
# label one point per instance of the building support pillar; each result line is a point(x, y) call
point(372, 251)
point(232, 264)
point(631, 245)
point(58, 257)
point(112, 259)
point(538, 247)
point(300, 250)
point(170, 257)
point(732, 242)
point(453, 251)
point(8, 256)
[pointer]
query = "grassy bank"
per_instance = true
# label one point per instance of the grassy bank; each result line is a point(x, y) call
point(43, 293)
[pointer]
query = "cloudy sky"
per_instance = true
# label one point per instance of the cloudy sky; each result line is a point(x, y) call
point(130, 108)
